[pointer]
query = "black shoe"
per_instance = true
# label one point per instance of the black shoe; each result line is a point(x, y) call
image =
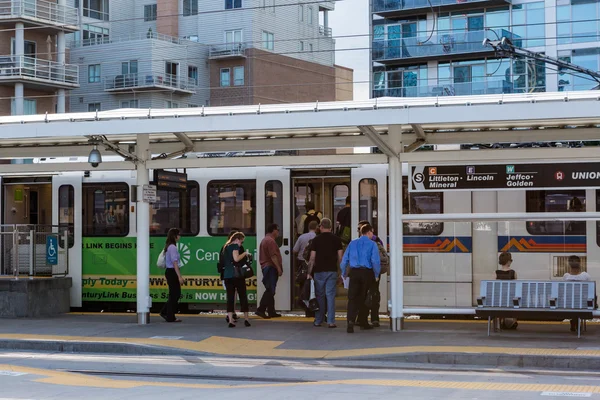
point(375, 324)
point(247, 323)
point(235, 318)
point(275, 315)
point(232, 325)
point(350, 328)
point(366, 327)
point(262, 315)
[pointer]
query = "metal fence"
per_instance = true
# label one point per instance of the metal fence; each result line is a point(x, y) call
point(34, 250)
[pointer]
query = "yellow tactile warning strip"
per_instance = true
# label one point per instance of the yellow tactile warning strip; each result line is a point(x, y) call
point(80, 380)
point(219, 345)
point(300, 318)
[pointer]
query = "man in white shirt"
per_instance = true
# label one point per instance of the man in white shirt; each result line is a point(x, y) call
point(575, 274)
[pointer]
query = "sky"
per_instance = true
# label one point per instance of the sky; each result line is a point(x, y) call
point(351, 17)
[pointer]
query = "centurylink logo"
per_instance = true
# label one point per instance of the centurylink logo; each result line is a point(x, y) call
point(184, 253)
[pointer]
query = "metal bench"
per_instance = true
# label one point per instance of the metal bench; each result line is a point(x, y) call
point(536, 300)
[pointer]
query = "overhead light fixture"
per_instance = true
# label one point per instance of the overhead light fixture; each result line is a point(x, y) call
point(95, 158)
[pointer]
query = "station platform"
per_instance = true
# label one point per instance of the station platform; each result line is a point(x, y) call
point(443, 342)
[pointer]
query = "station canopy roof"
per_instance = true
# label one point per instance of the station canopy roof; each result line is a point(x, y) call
point(507, 118)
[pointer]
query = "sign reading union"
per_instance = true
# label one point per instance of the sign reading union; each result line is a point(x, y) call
point(504, 176)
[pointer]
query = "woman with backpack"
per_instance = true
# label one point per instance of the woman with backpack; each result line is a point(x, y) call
point(173, 275)
point(234, 279)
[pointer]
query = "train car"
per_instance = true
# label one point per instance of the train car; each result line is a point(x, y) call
point(443, 262)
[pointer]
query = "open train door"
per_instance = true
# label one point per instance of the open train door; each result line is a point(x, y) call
point(274, 205)
point(369, 196)
point(66, 214)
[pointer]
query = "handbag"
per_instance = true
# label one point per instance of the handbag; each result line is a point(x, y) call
point(243, 269)
point(161, 262)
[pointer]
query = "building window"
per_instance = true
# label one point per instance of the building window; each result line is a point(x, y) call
point(105, 209)
point(310, 15)
point(193, 73)
point(238, 76)
point(268, 40)
point(528, 22)
point(129, 104)
point(92, 107)
point(94, 35)
point(171, 104)
point(231, 204)
point(29, 50)
point(233, 37)
point(231, 4)
point(129, 67)
point(94, 73)
point(301, 13)
point(150, 12)
point(301, 45)
point(29, 107)
point(225, 77)
point(190, 7)
point(97, 9)
point(587, 58)
point(310, 47)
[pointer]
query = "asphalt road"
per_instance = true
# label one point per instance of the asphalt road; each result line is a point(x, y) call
point(37, 376)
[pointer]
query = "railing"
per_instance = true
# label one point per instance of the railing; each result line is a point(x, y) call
point(41, 10)
point(129, 38)
point(34, 250)
point(325, 31)
point(398, 5)
point(228, 50)
point(438, 45)
point(24, 66)
point(486, 86)
point(132, 81)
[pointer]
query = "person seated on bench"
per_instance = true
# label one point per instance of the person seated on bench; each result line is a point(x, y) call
point(575, 274)
point(505, 273)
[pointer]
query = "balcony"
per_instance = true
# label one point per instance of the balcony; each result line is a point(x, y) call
point(325, 31)
point(230, 50)
point(45, 15)
point(129, 82)
point(486, 86)
point(38, 73)
point(128, 38)
point(451, 45)
point(398, 8)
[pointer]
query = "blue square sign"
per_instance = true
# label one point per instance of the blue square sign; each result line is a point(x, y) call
point(52, 250)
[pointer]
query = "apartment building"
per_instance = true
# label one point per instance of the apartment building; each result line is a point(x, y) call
point(435, 47)
point(189, 53)
point(34, 75)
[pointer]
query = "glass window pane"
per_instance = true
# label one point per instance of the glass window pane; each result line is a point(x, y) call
point(66, 213)
point(105, 209)
point(340, 193)
point(556, 201)
point(175, 208)
point(367, 205)
point(274, 206)
point(422, 203)
point(231, 205)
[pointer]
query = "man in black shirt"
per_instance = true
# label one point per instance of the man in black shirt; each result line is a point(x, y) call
point(344, 221)
point(325, 258)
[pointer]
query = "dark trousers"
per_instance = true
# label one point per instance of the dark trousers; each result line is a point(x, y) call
point(267, 302)
point(239, 284)
point(170, 307)
point(375, 300)
point(360, 282)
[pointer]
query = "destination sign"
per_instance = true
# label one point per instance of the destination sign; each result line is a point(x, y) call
point(504, 177)
point(168, 179)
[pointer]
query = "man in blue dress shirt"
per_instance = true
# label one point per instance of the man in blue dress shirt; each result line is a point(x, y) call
point(362, 264)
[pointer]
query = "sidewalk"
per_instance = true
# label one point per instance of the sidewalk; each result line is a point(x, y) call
point(533, 345)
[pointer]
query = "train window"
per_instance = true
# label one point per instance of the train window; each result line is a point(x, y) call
point(422, 203)
point(66, 213)
point(105, 209)
point(231, 204)
point(274, 205)
point(555, 201)
point(175, 208)
point(367, 206)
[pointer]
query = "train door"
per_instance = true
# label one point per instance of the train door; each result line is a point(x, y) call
point(272, 203)
point(66, 198)
point(325, 192)
point(369, 186)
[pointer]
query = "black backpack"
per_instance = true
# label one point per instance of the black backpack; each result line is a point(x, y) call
point(310, 218)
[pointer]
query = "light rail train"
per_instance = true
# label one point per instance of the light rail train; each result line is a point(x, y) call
point(443, 262)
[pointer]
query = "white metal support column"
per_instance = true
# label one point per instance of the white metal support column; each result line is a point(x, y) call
point(144, 301)
point(395, 218)
point(60, 59)
point(19, 53)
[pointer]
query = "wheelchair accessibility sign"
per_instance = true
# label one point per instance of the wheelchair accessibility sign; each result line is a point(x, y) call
point(52, 250)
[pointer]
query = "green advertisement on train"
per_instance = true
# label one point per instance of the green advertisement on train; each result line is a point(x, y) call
point(109, 270)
